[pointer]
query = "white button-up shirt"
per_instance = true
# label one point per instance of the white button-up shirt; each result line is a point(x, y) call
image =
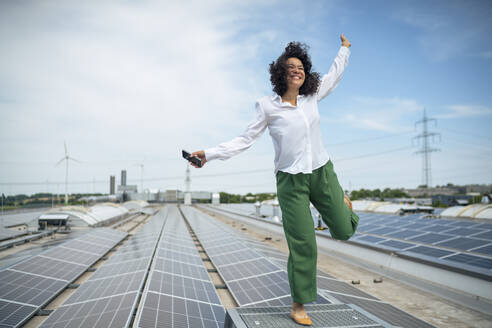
point(295, 130)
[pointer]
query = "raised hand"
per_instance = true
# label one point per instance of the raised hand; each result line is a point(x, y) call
point(345, 42)
point(201, 155)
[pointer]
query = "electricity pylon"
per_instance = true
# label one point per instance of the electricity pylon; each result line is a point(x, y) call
point(426, 150)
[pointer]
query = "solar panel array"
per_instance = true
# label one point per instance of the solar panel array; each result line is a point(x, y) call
point(7, 233)
point(22, 240)
point(251, 277)
point(179, 292)
point(109, 297)
point(464, 244)
point(335, 290)
point(27, 286)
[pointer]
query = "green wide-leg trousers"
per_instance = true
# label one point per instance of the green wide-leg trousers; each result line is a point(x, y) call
point(295, 192)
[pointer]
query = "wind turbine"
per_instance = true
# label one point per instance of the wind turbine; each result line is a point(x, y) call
point(66, 158)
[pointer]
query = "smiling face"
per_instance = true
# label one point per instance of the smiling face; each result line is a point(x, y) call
point(295, 73)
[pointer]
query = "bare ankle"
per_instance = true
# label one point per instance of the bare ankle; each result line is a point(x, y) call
point(297, 306)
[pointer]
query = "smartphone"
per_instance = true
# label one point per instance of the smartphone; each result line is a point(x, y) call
point(194, 160)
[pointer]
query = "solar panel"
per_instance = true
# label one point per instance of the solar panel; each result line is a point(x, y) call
point(416, 226)
point(383, 231)
point(405, 234)
point(121, 268)
point(171, 246)
point(37, 280)
point(342, 287)
point(391, 222)
point(370, 239)
point(178, 292)
point(442, 234)
point(7, 233)
point(167, 311)
point(171, 238)
point(234, 257)
point(194, 289)
point(260, 288)
point(188, 258)
point(281, 301)
point(104, 287)
point(483, 226)
point(483, 250)
point(247, 269)
point(250, 277)
point(460, 223)
point(220, 249)
point(217, 241)
point(487, 235)
point(27, 288)
point(396, 244)
point(131, 247)
point(14, 314)
point(70, 255)
point(431, 238)
point(51, 268)
point(182, 269)
point(430, 251)
point(109, 297)
point(99, 241)
point(78, 244)
point(438, 228)
point(109, 312)
point(130, 256)
point(464, 231)
point(473, 260)
point(463, 243)
point(370, 227)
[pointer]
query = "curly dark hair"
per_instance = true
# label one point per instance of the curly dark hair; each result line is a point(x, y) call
point(278, 70)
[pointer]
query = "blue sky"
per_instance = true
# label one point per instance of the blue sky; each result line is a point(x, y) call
point(133, 83)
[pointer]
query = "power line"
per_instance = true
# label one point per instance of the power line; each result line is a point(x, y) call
point(470, 144)
point(362, 140)
point(468, 133)
point(195, 177)
point(373, 154)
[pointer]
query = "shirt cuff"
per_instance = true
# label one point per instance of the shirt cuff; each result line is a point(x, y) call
point(211, 154)
point(344, 50)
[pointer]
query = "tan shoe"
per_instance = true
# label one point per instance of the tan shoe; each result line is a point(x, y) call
point(347, 201)
point(302, 320)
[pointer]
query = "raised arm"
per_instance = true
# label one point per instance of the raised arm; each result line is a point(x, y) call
point(230, 148)
point(330, 80)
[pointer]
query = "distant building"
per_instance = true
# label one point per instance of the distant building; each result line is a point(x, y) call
point(171, 196)
point(451, 200)
point(428, 192)
point(482, 189)
point(215, 198)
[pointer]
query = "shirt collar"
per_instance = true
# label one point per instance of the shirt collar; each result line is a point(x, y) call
point(278, 100)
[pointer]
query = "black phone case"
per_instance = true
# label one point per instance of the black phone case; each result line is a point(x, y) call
point(194, 160)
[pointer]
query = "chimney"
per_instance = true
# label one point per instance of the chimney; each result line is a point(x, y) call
point(112, 180)
point(123, 177)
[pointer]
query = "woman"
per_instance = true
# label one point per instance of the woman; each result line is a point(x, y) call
point(303, 170)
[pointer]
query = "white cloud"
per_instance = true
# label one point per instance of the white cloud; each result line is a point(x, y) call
point(461, 111)
point(121, 82)
point(378, 114)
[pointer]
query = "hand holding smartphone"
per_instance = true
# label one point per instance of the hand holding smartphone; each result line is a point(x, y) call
point(192, 159)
